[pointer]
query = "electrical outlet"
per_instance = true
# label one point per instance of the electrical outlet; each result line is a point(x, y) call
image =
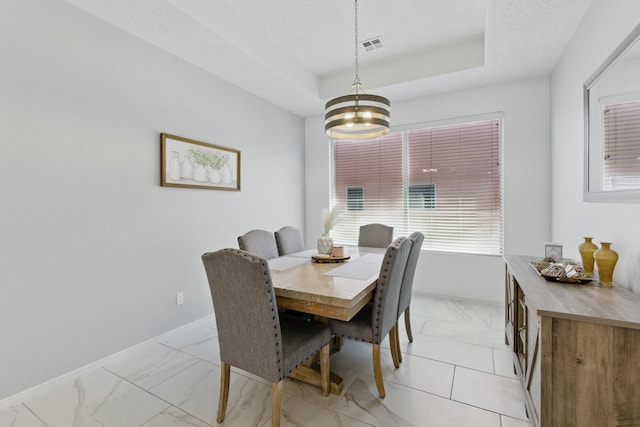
point(180, 298)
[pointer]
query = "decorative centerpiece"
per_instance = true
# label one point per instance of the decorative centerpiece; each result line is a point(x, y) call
point(566, 272)
point(329, 219)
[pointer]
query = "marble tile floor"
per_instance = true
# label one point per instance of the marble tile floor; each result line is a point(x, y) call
point(456, 373)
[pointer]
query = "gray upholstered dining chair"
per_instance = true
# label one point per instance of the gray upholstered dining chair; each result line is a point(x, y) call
point(260, 243)
point(404, 301)
point(375, 235)
point(375, 321)
point(289, 240)
point(258, 341)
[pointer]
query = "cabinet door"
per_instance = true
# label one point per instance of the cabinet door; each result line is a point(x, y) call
point(590, 376)
point(510, 309)
point(532, 376)
point(522, 333)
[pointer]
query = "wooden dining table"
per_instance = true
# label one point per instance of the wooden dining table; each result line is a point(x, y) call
point(327, 290)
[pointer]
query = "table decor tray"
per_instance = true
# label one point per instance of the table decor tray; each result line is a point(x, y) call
point(539, 267)
point(330, 258)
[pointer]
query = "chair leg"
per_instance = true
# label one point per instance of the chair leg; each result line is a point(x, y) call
point(398, 343)
point(276, 391)
point(324, 370)
point(407, 323)
point(377, 370)
point(225, 373)
point(393, 342)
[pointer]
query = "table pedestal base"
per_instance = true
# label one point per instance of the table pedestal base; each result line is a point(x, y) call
point(311, 375)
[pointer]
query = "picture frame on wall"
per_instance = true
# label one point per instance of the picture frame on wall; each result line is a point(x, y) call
point(194, 164)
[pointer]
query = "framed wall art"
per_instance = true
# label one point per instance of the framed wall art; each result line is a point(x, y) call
point(194, 164)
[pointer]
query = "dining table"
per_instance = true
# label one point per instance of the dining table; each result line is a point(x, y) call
point(325, 289)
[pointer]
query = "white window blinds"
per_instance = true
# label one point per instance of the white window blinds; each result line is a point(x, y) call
point(621, 148)
point(444, 181)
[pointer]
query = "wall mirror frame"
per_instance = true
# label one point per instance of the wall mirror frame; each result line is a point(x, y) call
point(616, 80)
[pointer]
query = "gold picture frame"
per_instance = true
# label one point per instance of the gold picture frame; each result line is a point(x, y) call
point(194, 164)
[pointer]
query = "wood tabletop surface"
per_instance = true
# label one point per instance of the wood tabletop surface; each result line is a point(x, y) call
point(308, 288)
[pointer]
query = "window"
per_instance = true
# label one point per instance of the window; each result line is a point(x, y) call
point(355, 196)
point(443, 181)
point(621, 146)
point(422, 196)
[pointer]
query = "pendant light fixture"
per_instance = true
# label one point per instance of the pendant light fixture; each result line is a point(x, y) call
point(357, 115)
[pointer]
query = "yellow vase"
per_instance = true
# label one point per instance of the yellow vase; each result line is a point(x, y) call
point(606, 260)
point(587, 248)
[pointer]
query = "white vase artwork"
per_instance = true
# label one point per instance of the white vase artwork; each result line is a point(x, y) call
point(175, 167)
point(200, 174)
point(215, 176)
point(227, 177)
point(186, 170)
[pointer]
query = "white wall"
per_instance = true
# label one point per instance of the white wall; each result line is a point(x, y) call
point(525, 105)
point(602, 29)
point(92, 249)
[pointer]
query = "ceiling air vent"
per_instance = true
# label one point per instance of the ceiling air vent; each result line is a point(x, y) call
point(372, 44)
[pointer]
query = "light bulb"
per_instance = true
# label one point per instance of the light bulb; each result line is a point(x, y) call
point(367, 117)
point(349, 116)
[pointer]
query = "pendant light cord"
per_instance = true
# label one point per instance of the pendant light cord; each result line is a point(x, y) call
point(356, 81)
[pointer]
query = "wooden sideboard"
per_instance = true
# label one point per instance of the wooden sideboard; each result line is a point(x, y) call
point(576, 349)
